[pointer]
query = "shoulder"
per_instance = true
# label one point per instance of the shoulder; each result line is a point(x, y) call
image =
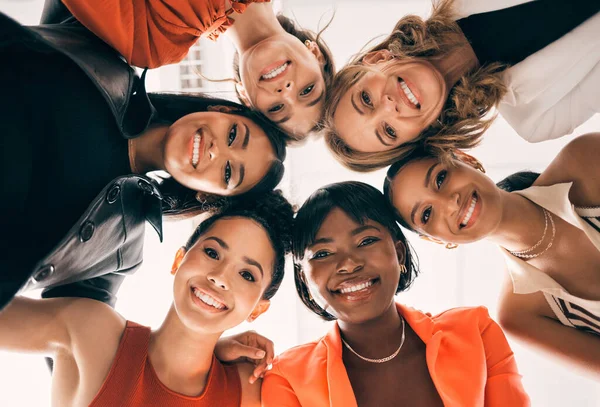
point(250, 392)
point(91, 321)
point(577, 162)
point(463, 318)
point(295, 359)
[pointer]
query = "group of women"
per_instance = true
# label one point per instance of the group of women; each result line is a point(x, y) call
point(80, 126)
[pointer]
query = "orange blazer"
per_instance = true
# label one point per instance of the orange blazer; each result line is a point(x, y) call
point(152, 33)
point(469, 359)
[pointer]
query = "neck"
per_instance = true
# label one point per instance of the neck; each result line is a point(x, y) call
point(181, 357)
point(148, 149)
point(256, 24)
point(387, 328)
point(459, 61)
point(521, 225)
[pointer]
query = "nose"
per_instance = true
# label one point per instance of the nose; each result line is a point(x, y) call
point(350, 264)
point(218, 279)
point(453, 203)
point(388, 103)
point(285, 86)
point(213, 150)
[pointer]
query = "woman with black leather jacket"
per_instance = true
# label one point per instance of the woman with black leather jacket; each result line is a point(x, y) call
point(76, 120)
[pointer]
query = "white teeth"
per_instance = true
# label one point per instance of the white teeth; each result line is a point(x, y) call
point(409, 93)
point(208, 300)
point(273, 73)
point(196, 150)
point(356, 287)
point(469, 212)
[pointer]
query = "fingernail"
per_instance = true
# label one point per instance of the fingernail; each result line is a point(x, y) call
point(260, 353)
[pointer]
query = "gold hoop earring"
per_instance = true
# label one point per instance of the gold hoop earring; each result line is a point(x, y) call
point(403, 269)
point(451, 246)
point(307, 43)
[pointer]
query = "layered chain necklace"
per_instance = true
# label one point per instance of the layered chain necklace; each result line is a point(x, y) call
point(382, 360)
point(526, 254)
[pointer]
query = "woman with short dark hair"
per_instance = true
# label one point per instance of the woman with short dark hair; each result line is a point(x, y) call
point(351, 259)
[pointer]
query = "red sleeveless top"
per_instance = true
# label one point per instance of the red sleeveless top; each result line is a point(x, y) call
point(132, 380)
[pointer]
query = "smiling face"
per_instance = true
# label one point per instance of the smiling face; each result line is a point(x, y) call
point(221, 279)
point(454, 203)
point(217, 153)
point(282, 78)
point(352, 269)
point(390, 105)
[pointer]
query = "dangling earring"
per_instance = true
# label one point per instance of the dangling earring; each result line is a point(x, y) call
point(403, 269)
point(451, 246)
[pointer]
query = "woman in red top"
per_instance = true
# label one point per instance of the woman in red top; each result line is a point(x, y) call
point(352, 258)
point(226, 273)
point(283, 71)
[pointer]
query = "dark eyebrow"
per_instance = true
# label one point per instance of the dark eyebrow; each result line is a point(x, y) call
point(317, 100)
point(363, 228)
point(381, 138)
point(321, 240)
point(285, 119)
point(241, 178)
point(246, 138)
point(428, 175)
point(427, 180)
point(219, 241)
point(253, 262)
point(355, 106)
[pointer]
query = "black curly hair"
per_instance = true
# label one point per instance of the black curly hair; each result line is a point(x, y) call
point(274, 213)
point(360, 202)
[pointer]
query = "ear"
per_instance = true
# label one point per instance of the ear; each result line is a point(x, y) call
point(314, 49)
point(400, 251)
point(261, 307)
point(243, 95)
point(178, 259)
point(376, 57)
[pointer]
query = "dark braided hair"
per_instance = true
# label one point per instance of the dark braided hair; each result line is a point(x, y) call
point(274, 213)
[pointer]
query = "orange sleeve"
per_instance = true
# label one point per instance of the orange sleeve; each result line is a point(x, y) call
point(503, 387)
point(152, 33)
point(276, 390)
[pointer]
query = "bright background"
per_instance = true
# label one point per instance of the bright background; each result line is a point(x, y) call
point(466, 276)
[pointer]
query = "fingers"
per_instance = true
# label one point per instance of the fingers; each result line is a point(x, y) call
point(265, 344)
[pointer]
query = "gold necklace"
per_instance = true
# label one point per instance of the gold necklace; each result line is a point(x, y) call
point(523, 253)
point(382, 360)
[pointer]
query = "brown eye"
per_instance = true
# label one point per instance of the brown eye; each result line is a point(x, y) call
point(426, 215)
point(366, 99)
point(390, 131)
point(227, 173)
point(439, 180)
point(307, 90)
point(275, 108)
point(232, 135)
point(246, 275)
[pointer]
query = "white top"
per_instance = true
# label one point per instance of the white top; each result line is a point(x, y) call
point(554, 90)
point(569, 309)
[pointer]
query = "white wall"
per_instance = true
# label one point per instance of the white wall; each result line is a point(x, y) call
point(465, 276)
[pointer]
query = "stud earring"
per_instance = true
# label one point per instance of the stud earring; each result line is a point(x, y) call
point(403, 269)
point(307, 43)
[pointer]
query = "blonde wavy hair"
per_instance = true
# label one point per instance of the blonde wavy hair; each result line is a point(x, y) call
point(463, 119)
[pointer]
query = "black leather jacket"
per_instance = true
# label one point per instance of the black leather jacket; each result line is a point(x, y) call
point(106, 243)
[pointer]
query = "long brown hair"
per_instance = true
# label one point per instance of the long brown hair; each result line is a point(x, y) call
point(463, 119)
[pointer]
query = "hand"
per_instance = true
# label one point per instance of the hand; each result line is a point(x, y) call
point(247, 347)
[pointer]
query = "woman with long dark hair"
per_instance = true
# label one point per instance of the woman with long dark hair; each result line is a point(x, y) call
point(547, 225)
point(282, 70)
point(227, 272)
point(80, 132)
point(351, 259)
point(437, 81)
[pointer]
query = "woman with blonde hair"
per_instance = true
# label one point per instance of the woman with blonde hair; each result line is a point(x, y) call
point(547, 226)
point(438, 80)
